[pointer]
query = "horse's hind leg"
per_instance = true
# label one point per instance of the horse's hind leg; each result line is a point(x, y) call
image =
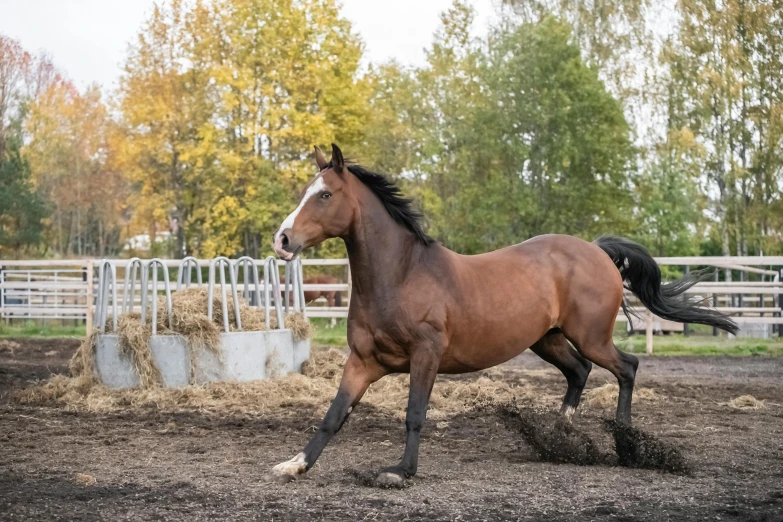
point(554, 349)
point(597, 346)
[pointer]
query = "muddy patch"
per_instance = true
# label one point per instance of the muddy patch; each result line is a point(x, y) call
point(637, 449)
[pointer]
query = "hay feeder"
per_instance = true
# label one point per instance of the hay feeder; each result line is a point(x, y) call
point(173, 358)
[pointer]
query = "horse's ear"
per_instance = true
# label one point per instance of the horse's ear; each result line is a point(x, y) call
point(337, 159)
point(320, 159)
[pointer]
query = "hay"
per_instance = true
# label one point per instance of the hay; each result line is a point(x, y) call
point(134, 343)
point(82, 364)
point(325, 364)
point(84, 479)
point(606, 396)
point(747, 402)
point(300, 327)
point(9, 346)
point(189, 309)
point(288, 394)
point(188, 318)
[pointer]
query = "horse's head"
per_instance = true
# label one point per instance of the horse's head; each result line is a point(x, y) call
point(325, 210)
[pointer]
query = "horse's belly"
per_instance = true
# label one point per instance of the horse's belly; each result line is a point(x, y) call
point(481, 344)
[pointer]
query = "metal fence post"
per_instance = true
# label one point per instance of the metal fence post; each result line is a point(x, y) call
point(2, 292)
point(89, 313)
point(350, 284)
point(715, 302)
point(686, 326)
point(780, 305)
point(649, 333)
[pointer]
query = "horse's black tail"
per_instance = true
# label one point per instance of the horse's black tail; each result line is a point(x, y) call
point(643, 277)
point(338, 298)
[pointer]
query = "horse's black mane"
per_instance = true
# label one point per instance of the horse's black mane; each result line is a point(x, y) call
point(398, 206)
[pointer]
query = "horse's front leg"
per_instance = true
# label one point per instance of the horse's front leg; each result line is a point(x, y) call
point(425, 359)
point(357, 376)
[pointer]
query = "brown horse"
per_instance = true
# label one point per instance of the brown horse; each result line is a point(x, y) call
point(418, 307)
point(333, 297)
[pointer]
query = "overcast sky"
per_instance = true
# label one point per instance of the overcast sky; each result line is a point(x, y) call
point(88, 38)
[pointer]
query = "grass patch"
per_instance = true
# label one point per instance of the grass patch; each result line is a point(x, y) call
point(40, 329)
point(701, 345)
point(325, 336)
point(338, 336)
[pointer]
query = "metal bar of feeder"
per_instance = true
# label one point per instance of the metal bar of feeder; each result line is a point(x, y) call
point(287, 298)
point(184, 274)
point(134, 264)
point(248, 262)
point(107, 275)
point(154, 264)
point(274, 274)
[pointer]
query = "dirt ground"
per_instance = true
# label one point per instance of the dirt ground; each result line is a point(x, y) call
point(145, 464)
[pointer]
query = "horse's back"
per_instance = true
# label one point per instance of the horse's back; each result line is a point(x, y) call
point(507, 299)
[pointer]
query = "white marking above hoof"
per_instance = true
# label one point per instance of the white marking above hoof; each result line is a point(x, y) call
point(568, 414)
point(290, 469)
point(387, 479)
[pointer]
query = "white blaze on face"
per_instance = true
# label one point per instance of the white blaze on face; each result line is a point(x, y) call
point(317, 186)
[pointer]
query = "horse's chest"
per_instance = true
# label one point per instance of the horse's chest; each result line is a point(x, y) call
point(391, 340)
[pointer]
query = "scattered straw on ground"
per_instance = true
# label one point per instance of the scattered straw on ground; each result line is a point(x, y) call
point(747, 402)
point(6, 345)
point(314, 389)
point(84, 479)
point(606, 396)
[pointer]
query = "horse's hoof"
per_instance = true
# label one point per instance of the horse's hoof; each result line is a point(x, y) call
point(280, 478)
point(289, 470)
point(388, 479)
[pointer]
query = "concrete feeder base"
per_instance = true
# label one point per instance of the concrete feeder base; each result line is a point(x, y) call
point(244, 356)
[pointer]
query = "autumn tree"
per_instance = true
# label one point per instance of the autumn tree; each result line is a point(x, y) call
point(70, 152)
point(223, 101)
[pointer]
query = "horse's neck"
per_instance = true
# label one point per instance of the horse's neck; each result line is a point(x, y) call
point(381, 254)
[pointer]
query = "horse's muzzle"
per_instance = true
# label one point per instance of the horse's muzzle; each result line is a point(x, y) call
point(284, 247)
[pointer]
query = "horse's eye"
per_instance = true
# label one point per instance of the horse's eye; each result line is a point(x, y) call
point(326, 195)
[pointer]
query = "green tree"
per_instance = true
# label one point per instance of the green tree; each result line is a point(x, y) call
point(725, 69)
point(525, 138)
point(22, 210)
point(671, 205)
point(222, 101)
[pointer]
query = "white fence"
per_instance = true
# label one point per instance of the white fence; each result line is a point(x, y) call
point(62, 289)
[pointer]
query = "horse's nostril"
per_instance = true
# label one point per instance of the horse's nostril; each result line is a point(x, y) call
point(284, 240)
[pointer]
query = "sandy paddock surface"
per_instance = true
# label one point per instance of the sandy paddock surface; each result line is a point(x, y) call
point(142, 463)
